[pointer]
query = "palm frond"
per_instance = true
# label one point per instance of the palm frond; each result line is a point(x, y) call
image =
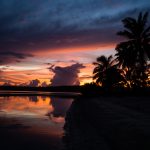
point(126, 34)
point(145, 18)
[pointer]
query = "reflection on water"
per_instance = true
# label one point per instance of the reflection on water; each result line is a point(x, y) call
point(61, 106)
point(32, 106)
point(38, 120)
point(25, 106)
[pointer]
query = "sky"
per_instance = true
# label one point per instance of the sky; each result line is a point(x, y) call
point(45, 41)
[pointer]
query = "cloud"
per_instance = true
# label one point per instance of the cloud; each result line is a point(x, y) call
point(66, 75)
point(23, 84)
point(7, 57)
point(16, 55)
point(5, 81)
point(7, 84)
point(30, 25)
point(44, 84)
point(34, 83)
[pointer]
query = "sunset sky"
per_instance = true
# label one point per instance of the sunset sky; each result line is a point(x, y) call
point(56, 41)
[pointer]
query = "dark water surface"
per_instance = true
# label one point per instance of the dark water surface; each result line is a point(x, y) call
point(32, 122)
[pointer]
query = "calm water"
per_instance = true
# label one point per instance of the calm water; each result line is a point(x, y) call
point(34, 119)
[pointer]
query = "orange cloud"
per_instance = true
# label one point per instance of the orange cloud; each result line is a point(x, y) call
point(74, 48)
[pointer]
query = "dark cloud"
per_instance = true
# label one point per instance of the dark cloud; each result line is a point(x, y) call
point(16, 55)
point(66, 75)
point(7, 57)
point(31, 25)
point(44, 84)
point(34, 83)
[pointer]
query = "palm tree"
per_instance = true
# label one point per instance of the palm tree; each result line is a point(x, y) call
point(134, 53)
point(106, 73)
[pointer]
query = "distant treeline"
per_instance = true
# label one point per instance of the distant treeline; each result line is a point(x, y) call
point(86, 90)
point(46, 89)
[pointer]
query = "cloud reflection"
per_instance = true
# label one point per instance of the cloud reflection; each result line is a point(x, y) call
point(21, 106)
point(36, 106)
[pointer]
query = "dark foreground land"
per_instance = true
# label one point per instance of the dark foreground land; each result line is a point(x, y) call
point(108, 123)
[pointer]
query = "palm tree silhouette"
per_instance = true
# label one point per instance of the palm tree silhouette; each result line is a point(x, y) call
point(134, 53)
point(106, 72)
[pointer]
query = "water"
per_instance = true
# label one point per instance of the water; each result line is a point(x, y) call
point(35, 120)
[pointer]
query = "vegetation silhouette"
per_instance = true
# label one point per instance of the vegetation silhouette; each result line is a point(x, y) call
point(106, 73)
point(130, 66)
point(133, 54)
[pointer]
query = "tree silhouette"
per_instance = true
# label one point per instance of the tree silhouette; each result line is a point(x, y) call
point(106, 72)
point(134, 53)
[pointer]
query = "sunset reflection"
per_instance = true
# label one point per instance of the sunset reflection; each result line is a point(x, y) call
point(26, 106)
point(35, 106)
point(41, 117)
